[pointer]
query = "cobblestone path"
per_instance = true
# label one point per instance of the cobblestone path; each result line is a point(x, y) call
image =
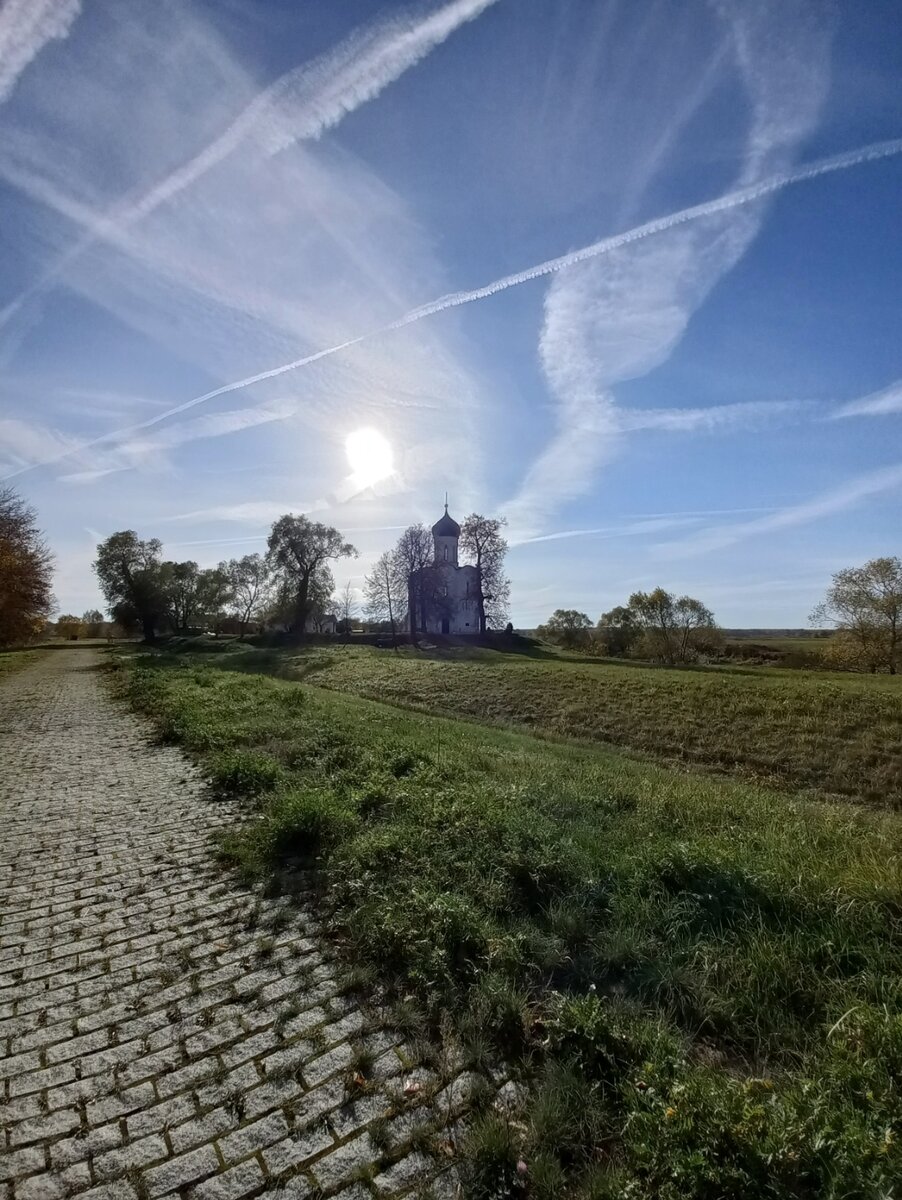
point(162, 1032)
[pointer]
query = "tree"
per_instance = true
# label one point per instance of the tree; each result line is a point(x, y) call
point(411, 557)
point(618, 630)
point(384, 595)
point(298, 549)
point(346, 605)
point(865, 605)
point(482, 542)
point(567, 627)
point(249, 582)
point(675, 629)
point(128, 570)
point(92, 619)
point(69, 627)
point(26, 571)
point(321, 609)
point(179, 584)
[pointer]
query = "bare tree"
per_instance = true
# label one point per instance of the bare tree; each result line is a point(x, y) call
point(250, 583)
point(411, 556)
point(482, 541)
point(384, 596)
point(346, 604)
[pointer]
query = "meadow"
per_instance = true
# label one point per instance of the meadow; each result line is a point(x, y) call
point(828, 733)
point(700, 978)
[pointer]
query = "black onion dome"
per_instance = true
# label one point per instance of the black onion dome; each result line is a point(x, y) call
point(446, 526)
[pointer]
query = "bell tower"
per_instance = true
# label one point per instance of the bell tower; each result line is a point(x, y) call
point(445, 535)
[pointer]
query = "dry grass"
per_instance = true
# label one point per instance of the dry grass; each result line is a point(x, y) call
point(835, 734)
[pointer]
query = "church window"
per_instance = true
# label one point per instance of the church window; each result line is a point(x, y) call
point(446, 553)
point(445, 590)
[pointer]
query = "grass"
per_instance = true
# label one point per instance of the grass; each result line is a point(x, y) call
point(824, 732)
point(15, 660)
point(701, 978)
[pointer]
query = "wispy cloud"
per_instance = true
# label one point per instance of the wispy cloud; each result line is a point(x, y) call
point(718, 418)
point(26, 26)
point(877, 404)
point(607, 323)
point(847, 495)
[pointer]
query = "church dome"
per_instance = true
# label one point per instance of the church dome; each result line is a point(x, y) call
point(446, 526)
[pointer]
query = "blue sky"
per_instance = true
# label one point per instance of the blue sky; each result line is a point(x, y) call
point(195, 194)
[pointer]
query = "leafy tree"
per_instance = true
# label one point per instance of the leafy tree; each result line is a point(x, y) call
point(384, 593)
point(675, 629)
point(411, 557)
point(249, 583)
point(481, 540)
point(619, 630)
point(865, 604)
point(179, 584)
point(26, 570)
point(567, 627)
point(92, 619)
point(299, 550)
point(69, 627)
point(321, 609)
point(128, 570)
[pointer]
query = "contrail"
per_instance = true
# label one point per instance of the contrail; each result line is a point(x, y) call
point(823, 166)
point(300, 105)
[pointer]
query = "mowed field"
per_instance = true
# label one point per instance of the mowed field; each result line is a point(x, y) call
point(698, 978)
point(818, 731)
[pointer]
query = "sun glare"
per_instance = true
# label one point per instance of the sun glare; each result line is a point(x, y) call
point(369, 456)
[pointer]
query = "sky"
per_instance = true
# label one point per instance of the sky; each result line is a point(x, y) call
point(625, 272)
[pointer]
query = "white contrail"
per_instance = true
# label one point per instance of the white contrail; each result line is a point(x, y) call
point(26, 26)
point(301, 105)
point(823, 166)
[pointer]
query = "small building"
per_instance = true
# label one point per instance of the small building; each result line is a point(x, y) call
point(445, 592)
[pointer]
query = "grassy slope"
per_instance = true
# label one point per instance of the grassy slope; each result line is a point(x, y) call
point(703, 977)
point(833, 733)
point(15, 660)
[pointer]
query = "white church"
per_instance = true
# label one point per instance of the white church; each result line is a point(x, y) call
point(448, 590)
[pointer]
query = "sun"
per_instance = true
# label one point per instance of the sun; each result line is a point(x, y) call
point(370, 456)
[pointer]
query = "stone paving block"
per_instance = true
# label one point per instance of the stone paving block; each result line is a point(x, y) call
point(179, 1172)
point(233, 1184)
point(404, 1174)
point(342, 1163)
point(254, 1136)
point(296, 1150)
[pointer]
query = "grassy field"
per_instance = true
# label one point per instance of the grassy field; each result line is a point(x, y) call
point(15, 660)
point(700, 978)
point(830, 733)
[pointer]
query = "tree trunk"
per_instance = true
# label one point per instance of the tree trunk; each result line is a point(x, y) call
point(147, 624)
point(412, 608)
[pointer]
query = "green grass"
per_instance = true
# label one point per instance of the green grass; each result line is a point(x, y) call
point(701, 978)
point(15, 660)
point(829, 733)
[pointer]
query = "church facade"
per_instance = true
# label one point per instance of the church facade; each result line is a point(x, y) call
point(444, 594)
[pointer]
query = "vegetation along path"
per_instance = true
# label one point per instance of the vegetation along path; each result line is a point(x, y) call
point(162, 1032)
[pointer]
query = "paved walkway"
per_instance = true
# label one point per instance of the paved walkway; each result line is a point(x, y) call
point(162, 1032)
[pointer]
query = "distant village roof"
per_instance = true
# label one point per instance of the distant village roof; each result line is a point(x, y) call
point(446, 526)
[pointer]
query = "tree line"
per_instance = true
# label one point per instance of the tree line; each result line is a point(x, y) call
point(653, 625)
point(291, 587)
point(863, 604)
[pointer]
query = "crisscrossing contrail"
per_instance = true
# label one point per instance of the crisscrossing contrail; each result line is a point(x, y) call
point(747, 195)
